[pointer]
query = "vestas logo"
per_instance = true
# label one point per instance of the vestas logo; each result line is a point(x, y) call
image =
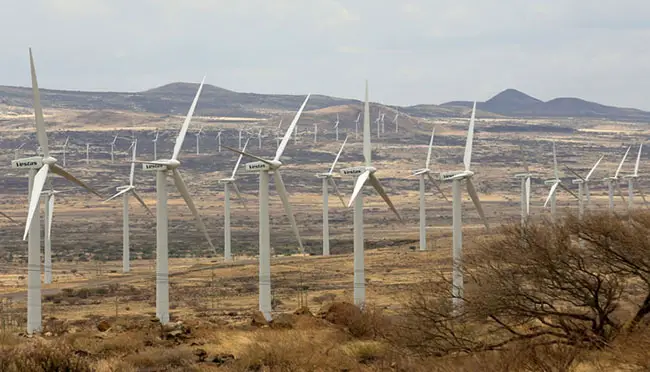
point(257, 166)
point(27, 163)
point(353, 171)
point(152, 166)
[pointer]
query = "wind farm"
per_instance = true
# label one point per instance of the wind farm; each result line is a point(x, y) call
point(189, 253)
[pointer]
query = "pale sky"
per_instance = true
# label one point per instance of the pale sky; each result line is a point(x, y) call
point(412, 51)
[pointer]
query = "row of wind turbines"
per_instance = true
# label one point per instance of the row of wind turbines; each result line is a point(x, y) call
point(40, 167)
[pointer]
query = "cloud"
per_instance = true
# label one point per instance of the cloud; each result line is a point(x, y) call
point(413, 51)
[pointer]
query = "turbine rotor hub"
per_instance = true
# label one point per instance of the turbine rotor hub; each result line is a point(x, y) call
point(49, 160)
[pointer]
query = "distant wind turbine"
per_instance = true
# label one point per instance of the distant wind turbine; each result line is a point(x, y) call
point(328, 179)
point(155, 145)
point(219, 139)
point(552, 195)
point(65, 150)
point(198, 136)
point(396, 122)
point(524, 188)
point(356, 126)
point(227, 182)
point(612, 183)
point(336, 126)
point(113, 147)
point(631, 179)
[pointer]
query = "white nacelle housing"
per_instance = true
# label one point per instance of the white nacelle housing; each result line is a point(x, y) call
point(153, 167)
point(34, 162)
point(257, 166)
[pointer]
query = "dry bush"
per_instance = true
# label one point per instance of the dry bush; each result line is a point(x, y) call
point(42, 356)
point(537, 286)
point(293, 350)
point(179, 359)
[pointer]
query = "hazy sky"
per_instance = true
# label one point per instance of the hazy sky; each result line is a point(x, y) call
point(412, 51)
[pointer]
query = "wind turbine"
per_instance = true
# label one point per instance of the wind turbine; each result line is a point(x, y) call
point(155, 145)
point(39, 167)
point(65, 149)
point(113, 147)
point(240, 137)
point(124, 191)
point(422, 173)
point(277, 135)
point(383, 123)
point(612, 182)
point(525, 188)
point(584, 196)
point(395, 121)
point(87, 153)
point(356, 126)
point(259, 139)
point(552, 195)
point(227, 251)
point(457, 239)
point(163, 167)
point(315, 132)
point(198, 135)
point(336, 126)
point(378, 122)
point(328, 178)
point(265, 167)
point(365, 173)
point(631, 178)
point(219, 139)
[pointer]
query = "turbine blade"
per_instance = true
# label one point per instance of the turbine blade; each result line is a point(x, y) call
point(574, 172)
point(622, 161)
point(282, 191)
point(63, 173)
point(338, 154)
point(467, 160)
point(239, 196)
point(551, 192)
point(241, 154)
point(7, 217)
point(181, 136)
point(557, 174)
point(358, 186)
point(524, 160)
point(377, 185)
point(569, 191)
point(119, 193)
point(135, 146)
point(436, 185)
point(477, 202)
point(38, 109)
point(248, 155)
point(367, 150)
point(182, 188)
point(35, 196)
point(287, 135)
point(139, 199)
point(594, 168)
point(433, 132)
point(50, 216)
point(336, 190)
point(638, 159)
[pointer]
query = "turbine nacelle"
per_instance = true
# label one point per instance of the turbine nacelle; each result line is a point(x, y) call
point(551, 182)
point(523, 175)
point(634, 176)
point(121, 188)
point(356, 171)
point(418, 172)
point(226, 180)
point(324, 175)
point(34, 162)
point(578, 181)
point(49, 160)
point(154, 166)
point(450, 176)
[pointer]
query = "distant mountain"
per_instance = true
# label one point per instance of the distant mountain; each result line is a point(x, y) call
point(514, 103)
point(174, 99)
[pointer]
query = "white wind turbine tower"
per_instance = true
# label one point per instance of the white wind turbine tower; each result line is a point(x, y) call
point(65, 150)
point(584, 195)
point(227, 250)
point(525, 189)
point(328, 178)
point(87, 153)
point(383, 123)
point(113, 147)
point(39, 167)
point(163, 167)
point(356, 126)
point(612, 182)
point(395, 121)
point(457, 239)
point(18, 150)
point(365, 174)
point(631, 178)
point(378, 122)
point(198, 136)
point(315, 132)
point(265, 167)
point(219, 139)
point(336, 126)
point(155, 145)
point(552, 195)
point(259, 139)
point(422, 173)
point(277, 135)
point(124, 191)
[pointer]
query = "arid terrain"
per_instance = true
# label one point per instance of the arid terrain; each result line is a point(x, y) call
point(207, 292)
